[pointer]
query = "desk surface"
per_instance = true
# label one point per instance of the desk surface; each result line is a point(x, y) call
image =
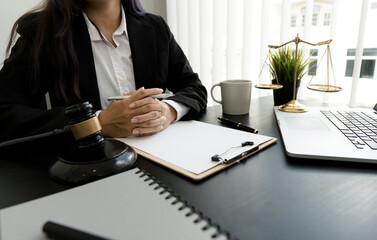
point(268, 196)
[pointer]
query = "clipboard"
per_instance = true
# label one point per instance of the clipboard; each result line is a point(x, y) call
point(198, 177)
point(203, 139)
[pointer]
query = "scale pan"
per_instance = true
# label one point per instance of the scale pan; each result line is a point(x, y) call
point(324, 88)
point(269, 86)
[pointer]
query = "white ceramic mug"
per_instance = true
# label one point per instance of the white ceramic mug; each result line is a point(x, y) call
point(235, 96)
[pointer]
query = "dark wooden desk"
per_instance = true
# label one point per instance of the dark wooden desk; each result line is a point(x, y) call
point(268, 196)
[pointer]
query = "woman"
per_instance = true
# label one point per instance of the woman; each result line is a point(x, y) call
point(86, 50)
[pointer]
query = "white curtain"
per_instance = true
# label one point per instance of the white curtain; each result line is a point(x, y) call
point(228, 39)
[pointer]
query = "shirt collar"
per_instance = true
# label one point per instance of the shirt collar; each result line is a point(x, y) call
point(95, 35)
point(122, 29)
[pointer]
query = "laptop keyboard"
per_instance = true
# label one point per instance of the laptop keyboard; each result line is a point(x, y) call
point(359, 127)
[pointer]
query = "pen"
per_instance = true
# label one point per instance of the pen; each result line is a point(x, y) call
point(239, 156)
point(237, 125)
point(162, 95)
point(60, 232)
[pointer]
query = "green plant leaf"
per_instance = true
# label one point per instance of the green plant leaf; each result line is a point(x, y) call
point(281, 64)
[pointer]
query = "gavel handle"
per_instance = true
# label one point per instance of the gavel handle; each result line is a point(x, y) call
point(34, 137)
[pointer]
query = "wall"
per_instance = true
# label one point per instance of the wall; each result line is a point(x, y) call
point(9, 12)
point(155, 6)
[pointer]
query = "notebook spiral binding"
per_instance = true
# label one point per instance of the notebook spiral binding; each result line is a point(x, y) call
point(178, 199)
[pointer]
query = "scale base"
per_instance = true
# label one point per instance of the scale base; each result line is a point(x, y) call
point(293, 106)
point(77, 169)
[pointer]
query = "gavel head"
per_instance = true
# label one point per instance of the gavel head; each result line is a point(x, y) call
point(84, 125)
point(92, 157)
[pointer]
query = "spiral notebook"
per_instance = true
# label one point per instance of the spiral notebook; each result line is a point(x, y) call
point(129, 205)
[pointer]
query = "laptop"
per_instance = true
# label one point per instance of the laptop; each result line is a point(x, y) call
point(345, 134)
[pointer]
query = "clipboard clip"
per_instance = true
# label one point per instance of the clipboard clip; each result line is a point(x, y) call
point(218, 158)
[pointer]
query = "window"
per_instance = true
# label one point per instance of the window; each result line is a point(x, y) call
point(293, 21)
point(366, 71)
point(368, 62)
point(316, 10)
point(314, 52)
point(369, 52)
point(327, 19)
point(349, 68)
point(315, 19)
point(313, 65)
point(303, 16)
point(367, 68)
point(312, 68)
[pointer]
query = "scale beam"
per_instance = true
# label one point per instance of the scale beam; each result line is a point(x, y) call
point(294, 106)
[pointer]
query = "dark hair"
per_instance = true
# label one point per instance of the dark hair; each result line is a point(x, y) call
point(52, 22)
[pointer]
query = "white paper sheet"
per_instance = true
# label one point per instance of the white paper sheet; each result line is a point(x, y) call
point(191, 144)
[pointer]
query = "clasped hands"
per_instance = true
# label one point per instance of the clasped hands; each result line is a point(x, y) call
point(138, 115)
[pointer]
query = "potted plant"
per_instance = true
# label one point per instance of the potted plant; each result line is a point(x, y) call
point(282, 67)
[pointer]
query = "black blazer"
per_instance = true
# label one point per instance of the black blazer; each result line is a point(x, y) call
point(158, 61)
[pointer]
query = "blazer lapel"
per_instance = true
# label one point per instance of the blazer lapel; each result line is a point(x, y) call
point(143, 50)
point(88, 78)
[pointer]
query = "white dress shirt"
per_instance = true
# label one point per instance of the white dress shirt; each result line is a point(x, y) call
point(114, 67)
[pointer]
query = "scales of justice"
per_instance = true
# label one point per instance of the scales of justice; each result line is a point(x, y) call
point(294, 106)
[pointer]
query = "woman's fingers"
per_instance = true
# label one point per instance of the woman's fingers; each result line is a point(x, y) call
point(141, 94)
point(139, 131)
point(138, 115)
